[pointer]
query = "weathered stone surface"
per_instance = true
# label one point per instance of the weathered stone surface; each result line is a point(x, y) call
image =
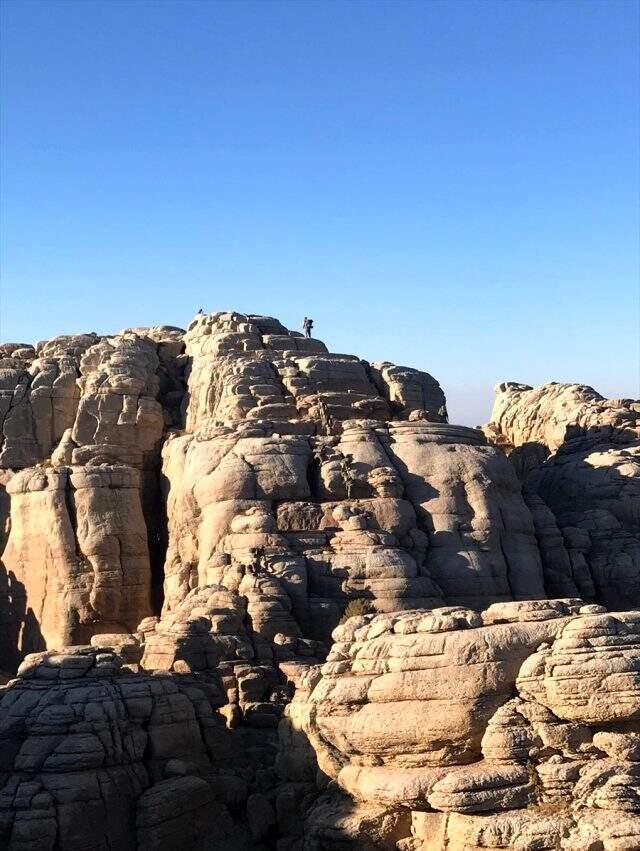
point(416, 710)
point(548, 414)
point(197, 509)
point(301, 504)
point(82, 432)
point(406, 693)
point(39, 397)
point(303, 480)
point(524, 830)
point(338, 822)
point(578, 455)
point(591, 673)
point(94, 757)
point(78, 546)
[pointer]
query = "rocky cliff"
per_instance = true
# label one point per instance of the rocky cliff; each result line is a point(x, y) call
point(578, 456)
point(266, 596)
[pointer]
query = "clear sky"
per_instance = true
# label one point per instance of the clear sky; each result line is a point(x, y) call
point(449, 185)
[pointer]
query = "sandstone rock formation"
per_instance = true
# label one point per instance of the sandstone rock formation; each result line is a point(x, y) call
point(293, 486)
point(82, 424)
point(103, 759)
point(185, 516)
point(549, 414)
point(579, 457)
point(515, 728)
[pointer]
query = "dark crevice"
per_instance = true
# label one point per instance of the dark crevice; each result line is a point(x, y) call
point(154, 509)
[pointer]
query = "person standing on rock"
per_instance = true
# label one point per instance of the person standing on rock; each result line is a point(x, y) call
point(307, 325)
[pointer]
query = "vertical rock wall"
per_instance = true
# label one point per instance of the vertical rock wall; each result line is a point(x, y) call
point(82, 423)
point(301, 478)
point(578, 455)
point(306, 479)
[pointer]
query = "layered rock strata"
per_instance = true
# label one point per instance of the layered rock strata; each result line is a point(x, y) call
point(100, 758)
point(191, 514)
point(515, 728)
point(82, 421)
point(293, 486)
point(548, 415)
point(578, 455)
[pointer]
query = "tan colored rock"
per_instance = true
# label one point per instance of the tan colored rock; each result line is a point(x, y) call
point(290, 486)
point(327, 506)
point(585, 497)
point(336, 822)
point(78, 549)
point(81, 548)
point(410, 391)
point(270, 483)
point(547, 414)
point(544, 769)
point(39, 398)
point(591, 673)
point(524, 830)
point(404, 696)
point(119, 419)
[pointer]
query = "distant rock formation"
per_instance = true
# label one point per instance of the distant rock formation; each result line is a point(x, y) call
point(578, 455)
point(187, 521)
point(552, 413)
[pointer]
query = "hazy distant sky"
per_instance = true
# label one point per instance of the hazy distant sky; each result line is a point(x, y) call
point(454, 186)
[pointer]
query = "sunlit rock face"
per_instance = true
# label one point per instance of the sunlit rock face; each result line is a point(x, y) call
point(275, 600)
point(242, 454)
point(578, 455)
point(78, 545)
point(305, 479)
point(82, 421)
point(549, 414)
point(515, 727)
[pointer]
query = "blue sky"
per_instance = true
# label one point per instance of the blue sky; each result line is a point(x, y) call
point(454, 186)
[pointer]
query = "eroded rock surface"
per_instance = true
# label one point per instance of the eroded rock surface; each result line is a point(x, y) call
point(306, 479)
point(95, 757)
point(578, 455)
point(517, 727)
point(525, 414)
point(190, 514)
point(82, 423)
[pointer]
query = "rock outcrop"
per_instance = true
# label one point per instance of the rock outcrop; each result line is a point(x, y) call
point(550, 414)
point(293, 485)
point(100, 758)
point(578, 455)
point(515, 728)
point(264, 596)
point(83, 420)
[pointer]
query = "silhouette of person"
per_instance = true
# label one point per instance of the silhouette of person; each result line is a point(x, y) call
point(307, 325)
